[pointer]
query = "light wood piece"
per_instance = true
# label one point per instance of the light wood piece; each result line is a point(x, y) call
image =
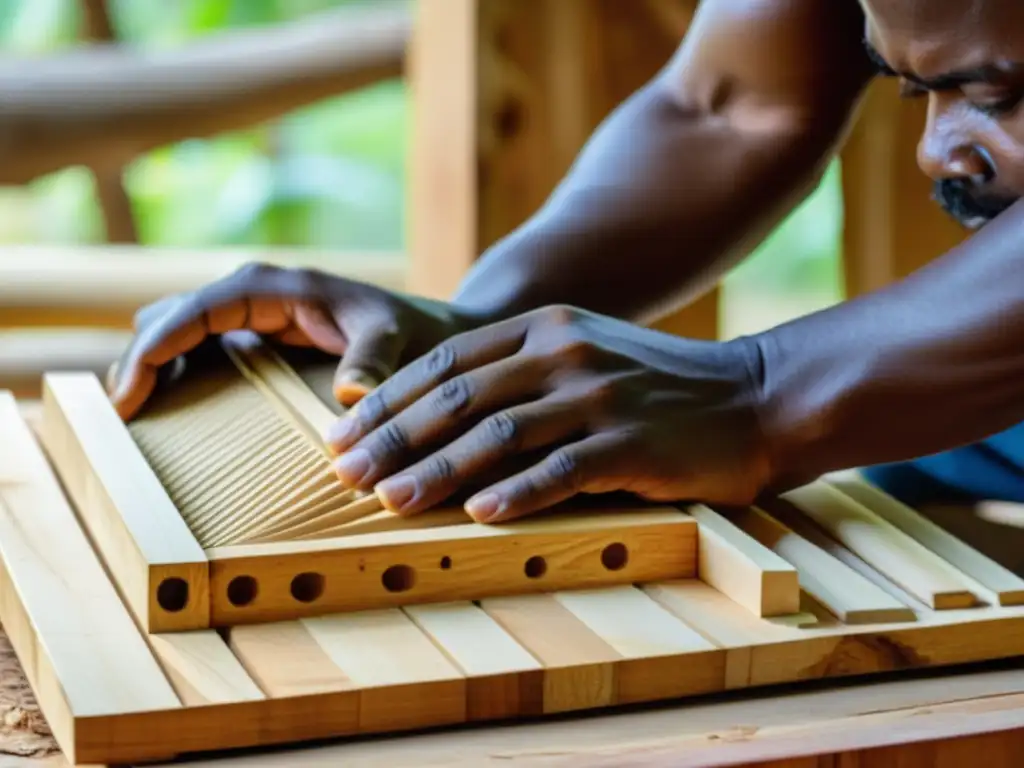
point(156, 561)
point(411, 666)
point(230, 492)
point(743, 568)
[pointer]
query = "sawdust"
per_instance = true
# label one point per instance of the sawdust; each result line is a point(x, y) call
point(23, 729)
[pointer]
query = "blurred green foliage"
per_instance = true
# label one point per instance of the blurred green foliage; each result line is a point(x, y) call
point(328, 176)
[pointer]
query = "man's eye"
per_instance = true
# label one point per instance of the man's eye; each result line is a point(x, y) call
point(992, 100)
point(999, 107)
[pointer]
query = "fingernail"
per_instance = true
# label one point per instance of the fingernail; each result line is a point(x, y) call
point(352, 467)
point(396, 492)
point(341, 433)
point(483, 508)
point(350, 386)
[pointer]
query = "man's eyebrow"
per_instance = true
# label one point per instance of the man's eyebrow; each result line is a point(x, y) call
point(988, 73)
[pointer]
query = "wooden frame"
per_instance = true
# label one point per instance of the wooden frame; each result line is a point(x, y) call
point(106, 684)
point(172, 581)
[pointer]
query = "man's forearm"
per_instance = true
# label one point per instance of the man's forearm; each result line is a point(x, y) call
point(661, 202)
point(927, 364)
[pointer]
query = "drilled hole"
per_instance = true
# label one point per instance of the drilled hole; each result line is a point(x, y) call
point(614, 556)
point(398, 578)
point(307, 587)
point(242, 590)
point(172, 594)
point(535, 567)
point(446, 563)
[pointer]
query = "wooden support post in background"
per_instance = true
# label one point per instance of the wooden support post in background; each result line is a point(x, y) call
point(892, 227)
point(505, 94)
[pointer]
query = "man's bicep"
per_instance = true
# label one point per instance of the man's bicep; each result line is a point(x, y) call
point(764, 64)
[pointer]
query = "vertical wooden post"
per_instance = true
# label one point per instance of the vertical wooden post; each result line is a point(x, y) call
point(505, 94)
point(892, 227)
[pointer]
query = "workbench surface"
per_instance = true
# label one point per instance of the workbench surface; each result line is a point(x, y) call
point(936, 718)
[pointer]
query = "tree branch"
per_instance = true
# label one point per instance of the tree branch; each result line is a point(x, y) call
point(104, 105)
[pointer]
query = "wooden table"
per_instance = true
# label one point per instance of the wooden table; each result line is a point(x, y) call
point(938, 718)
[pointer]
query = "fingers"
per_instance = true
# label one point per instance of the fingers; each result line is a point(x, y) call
point(260, 298)
point(372, 356)
point(435, 416)
point(457, 355)
point(494, 441)
point(596, 464)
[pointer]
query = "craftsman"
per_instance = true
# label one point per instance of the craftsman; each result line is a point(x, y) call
point(538, 381)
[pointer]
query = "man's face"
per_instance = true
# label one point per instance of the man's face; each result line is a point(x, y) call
point(967, 58)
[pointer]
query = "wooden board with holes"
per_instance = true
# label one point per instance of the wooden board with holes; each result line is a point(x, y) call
point(219, 506)
point(875, 579)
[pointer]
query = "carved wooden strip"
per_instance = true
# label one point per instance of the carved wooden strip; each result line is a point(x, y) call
point(280, 581)
point(1008, 586)
point(153, 556)
point(883, 546)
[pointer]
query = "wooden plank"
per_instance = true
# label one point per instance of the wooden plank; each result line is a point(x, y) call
point(404, 680)
point(741, 567)
point(842, 590)
point(150, 551)
point(883, 546)
point(1008, 586)
point(202, 668)
point(502, 678)
point(465, 562)
point(82, 652)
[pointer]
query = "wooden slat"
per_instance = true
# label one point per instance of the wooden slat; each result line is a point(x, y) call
point(883, 546)
point(82, 652)
point(743, 568)
point(502, 678)
point(443, 564)
point(842, 590)
point(1007, 585)
point(150, 551)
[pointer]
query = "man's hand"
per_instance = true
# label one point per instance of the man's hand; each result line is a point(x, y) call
point(373, 331)
point(609, 406)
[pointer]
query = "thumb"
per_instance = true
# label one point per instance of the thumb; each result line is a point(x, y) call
point(372, 356)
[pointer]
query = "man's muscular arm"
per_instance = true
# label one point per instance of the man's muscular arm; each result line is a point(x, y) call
point(924, 365)
point(691, 171)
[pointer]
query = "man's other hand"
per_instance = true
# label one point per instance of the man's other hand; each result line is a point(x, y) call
point(373, 330)
point(555, 403)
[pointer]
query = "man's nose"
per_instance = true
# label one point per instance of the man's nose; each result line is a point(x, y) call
point(945, 151)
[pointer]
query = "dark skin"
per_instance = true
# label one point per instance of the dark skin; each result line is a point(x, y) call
point(536, 383)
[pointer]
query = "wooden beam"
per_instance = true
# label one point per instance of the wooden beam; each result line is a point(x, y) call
point(505, 94)
point(105, 105)
point(103, 286)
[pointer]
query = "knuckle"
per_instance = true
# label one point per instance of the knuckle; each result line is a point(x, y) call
point(254, 272)
point(453, 397)
point(391, 439)
point(563, 468)
point(441, 360)
point(559, 315)
point(371, 409)
point(503, 430)
point(440, 469)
